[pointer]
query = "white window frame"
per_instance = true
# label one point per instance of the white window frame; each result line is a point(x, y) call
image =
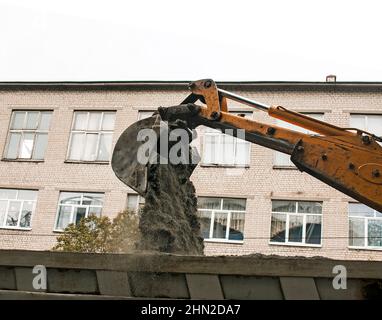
point(24, 131)
point(217, 132)
point(366, 116)
point(287, 125)
point(366, 230)
point(142, 114)
point(85, 132)
point(3, 223)
point(140, 201)
point(212, 222)
point(73, 206)
point(304, 215)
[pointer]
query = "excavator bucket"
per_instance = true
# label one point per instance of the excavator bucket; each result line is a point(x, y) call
point(137, 149)
point(128, 167)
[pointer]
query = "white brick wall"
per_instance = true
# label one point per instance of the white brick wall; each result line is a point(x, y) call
point(259, 184)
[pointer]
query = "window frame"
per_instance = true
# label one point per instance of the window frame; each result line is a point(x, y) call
point(23, 131)
point(220, 135)
point(140, 202)
point(366, 119)
point(85, 132)
point(365, 228)
point(142, 112)
point(287, 220)
point(3, 223)
point(73, 206)
point(229, 214)
point(291, 165)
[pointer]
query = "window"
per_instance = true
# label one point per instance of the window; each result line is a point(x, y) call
point(368, 122)
point(296, 222)
point(282, 159)
point(16, 208)
point(365, 226)
point(91, 136)
point(142, 114)
point(221, 218)
point(135, 202)
point(225, 150)
point(28, 135)
point(73, 206)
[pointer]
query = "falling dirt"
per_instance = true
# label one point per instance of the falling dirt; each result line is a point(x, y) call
point(168, 221)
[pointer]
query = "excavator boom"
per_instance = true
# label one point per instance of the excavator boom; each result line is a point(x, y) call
point(349, 160)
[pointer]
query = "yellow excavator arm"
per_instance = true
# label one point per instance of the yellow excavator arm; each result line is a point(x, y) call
point(348, 159)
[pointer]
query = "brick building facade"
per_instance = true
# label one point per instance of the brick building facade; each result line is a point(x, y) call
point(269, 206)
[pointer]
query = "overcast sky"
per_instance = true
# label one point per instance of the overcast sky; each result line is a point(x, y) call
point(188, 40)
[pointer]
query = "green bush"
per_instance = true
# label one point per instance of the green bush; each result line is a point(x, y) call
point(101, 235)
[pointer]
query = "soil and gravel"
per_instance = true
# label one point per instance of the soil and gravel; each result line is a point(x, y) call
point(168, 221)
